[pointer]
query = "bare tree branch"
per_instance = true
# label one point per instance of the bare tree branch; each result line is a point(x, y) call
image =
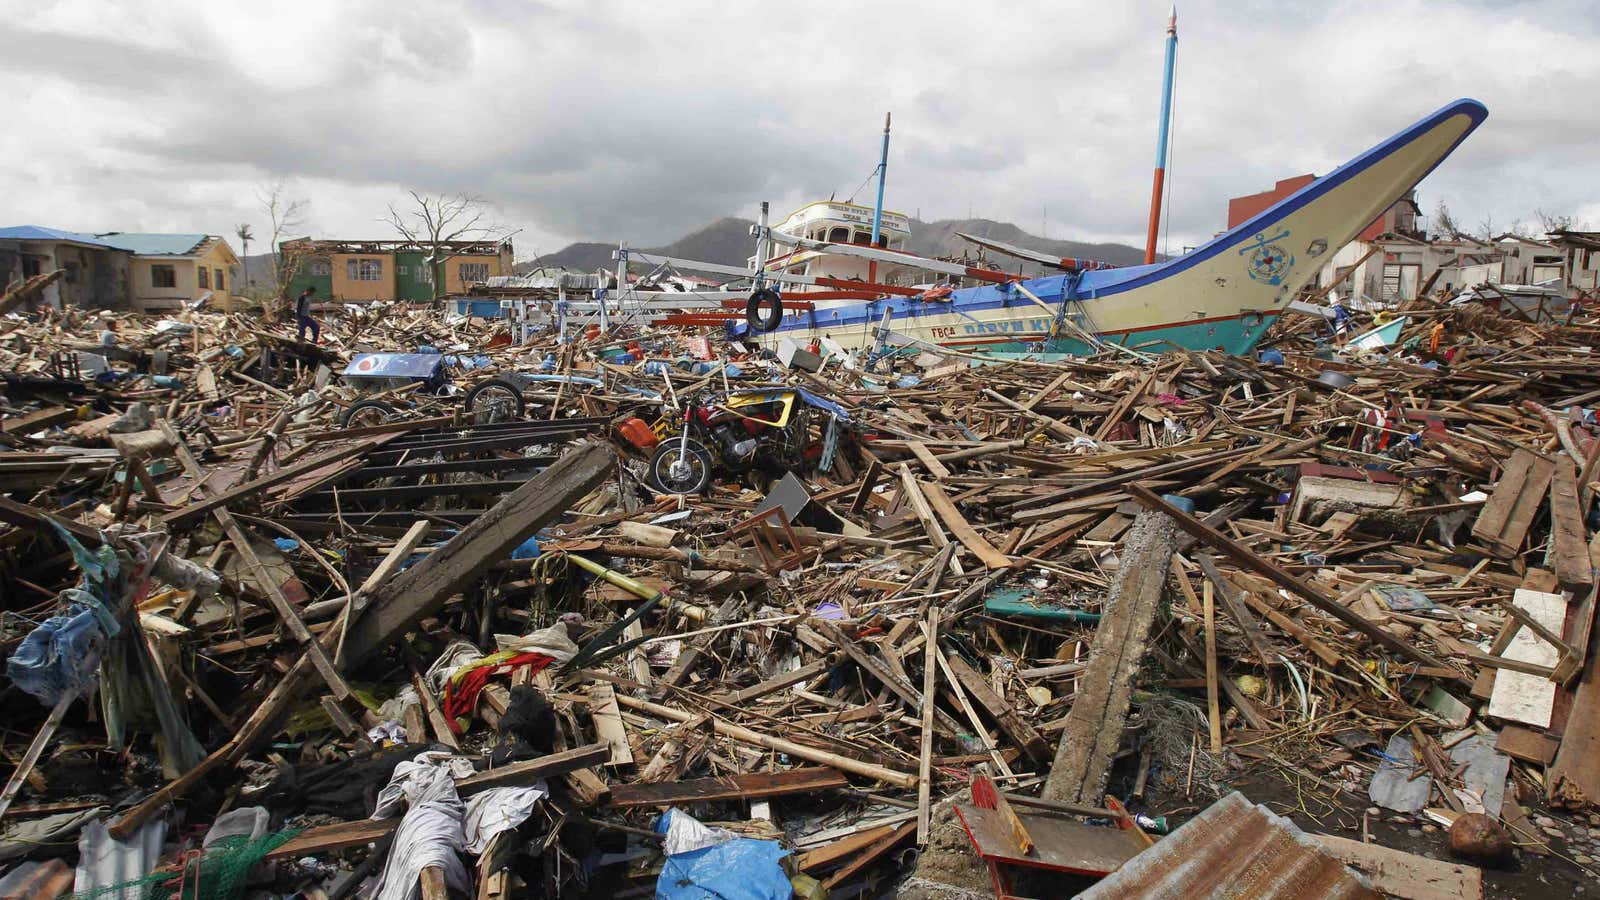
point(287, 216)
point(436, 222)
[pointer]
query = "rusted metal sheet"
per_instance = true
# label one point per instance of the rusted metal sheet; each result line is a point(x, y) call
point(1234, 849)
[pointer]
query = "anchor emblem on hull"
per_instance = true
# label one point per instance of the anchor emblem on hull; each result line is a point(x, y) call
point(1267, 261)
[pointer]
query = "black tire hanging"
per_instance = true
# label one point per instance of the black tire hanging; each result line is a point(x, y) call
point(494, 385)
point(766, 300)
point(385, 411)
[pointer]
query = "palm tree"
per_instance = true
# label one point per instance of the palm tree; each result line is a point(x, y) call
point(243, 233)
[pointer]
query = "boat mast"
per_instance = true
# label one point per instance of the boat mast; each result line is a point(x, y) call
point(883, 170)
point(877, 210)
point(1161, 138)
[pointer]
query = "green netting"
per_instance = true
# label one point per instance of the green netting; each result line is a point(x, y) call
point(221, 874)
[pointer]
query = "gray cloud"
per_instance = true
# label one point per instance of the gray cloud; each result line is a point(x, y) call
point(607, 120)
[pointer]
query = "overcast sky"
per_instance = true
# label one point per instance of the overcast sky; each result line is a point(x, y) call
point(592, 120)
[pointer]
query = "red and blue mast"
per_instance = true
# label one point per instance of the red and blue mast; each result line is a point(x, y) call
point(1162, 139)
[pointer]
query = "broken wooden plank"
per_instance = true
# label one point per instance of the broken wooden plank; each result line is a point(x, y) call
point(529, 771)
point(1504, 521)
point(608, 724)
point(1520, 696)
point(1569, 538)
point(752, 786)
point(961, 528)
point(1247, 558)
point(186, 514)
point(1014, 725)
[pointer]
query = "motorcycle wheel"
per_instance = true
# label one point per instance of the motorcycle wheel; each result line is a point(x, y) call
point(495, 400)
point(675, 470)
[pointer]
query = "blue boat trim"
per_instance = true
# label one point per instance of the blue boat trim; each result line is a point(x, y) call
point(1104, 283)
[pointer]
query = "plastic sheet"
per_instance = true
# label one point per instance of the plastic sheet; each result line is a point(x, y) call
point(729, 869)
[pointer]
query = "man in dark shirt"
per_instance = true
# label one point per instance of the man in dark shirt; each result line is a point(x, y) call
point(302, 314)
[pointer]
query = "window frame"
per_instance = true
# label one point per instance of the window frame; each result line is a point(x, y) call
point(167, 269)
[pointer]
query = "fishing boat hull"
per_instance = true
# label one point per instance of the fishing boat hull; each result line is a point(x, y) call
point(1221, 295)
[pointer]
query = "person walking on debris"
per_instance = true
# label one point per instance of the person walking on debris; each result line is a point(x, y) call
point(302, 314)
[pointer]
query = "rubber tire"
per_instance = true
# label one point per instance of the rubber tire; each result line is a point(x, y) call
point(508, 384)
point(387, 409)
point(659, 461)
point(768, 298)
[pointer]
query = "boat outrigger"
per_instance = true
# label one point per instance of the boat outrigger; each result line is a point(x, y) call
point(1223, 294)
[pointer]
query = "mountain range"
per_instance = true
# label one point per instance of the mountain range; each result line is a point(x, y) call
point(727, 241)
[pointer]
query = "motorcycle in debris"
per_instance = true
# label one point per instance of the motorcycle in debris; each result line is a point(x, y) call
point(738, 431)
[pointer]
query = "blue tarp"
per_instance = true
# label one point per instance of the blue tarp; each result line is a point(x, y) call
point(737, 869)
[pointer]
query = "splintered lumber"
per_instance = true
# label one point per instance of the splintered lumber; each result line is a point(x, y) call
point(338, 836)
point(395, 607)
point(1094, 725)
point(1213, 707)
point(781, 681)
point(1243, 556)
point(798, 751)
point(754, 786)
point(961, 528)
point(1236, 607)
point(185, 514)
point(529, 771)
point(930, 670)
point(1504, 521)
point(1015, 726)
point(403, 602)
point(1569, 539)
point(831, 854)
point(38, 420)
point(1574, 776)
point(870, 855)
point(1407, 875)
point(1520, 696)
point(608, 724)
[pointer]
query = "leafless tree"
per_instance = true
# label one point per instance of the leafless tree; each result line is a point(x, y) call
point(1549, 222)
point(434, 222)
point(1444, 224)
point(287, 215)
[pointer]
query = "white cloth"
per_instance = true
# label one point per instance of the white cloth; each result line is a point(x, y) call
point(430, 834)
point(686, 834)
point(497, 810)
point(552, 641)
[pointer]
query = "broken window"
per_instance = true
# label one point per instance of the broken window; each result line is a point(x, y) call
point(205, 278)
point(840, 235)
point(400, 270)
point(321, 268)
point(474, 272)
point(364, 269)
point(216, 278)
point(163, 276)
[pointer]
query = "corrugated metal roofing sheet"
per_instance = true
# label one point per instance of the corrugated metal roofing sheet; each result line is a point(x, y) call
point(1235, 849)
point(150, 244)
point(41, 233)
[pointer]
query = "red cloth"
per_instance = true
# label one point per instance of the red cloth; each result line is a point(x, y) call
point(461, 695)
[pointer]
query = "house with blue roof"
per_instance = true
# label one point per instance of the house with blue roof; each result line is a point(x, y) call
point(170, 271)
point(94, 272)
point(119, 269)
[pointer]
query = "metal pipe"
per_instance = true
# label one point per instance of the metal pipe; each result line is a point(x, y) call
point(1162, 139)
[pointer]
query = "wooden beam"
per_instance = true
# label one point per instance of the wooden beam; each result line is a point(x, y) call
point(1248, 559)
point(752, 786)
point(1017, 728)
point(961, 528)
point(529, 771)
point(930, 670)
point(185, 514)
